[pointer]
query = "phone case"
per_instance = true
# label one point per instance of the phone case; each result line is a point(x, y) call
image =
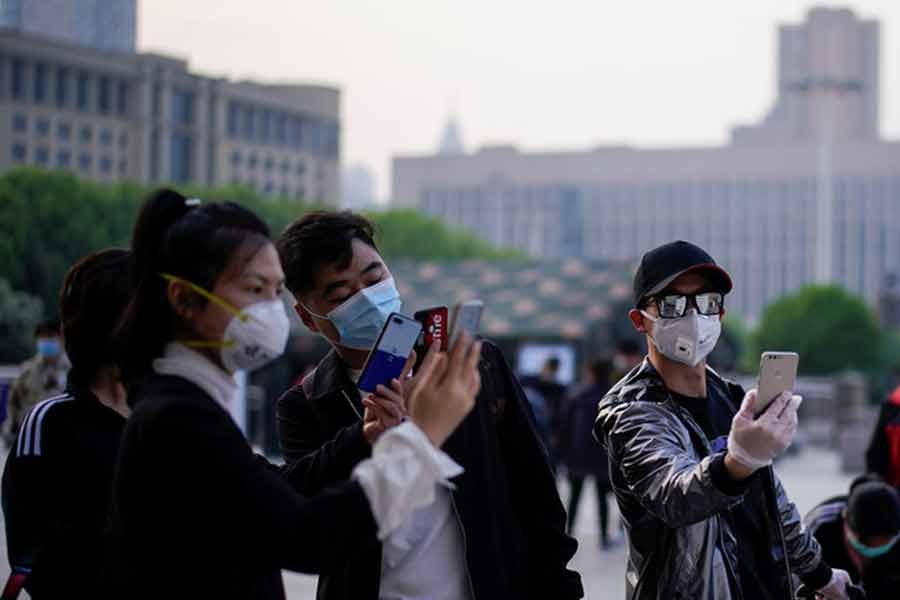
point(394, 345)
point(777, 374)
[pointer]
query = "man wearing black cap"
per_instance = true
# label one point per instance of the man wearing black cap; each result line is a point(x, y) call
point(860, 533)
point(689, 460)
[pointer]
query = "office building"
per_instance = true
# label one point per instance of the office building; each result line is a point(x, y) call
point(113, 116)
point(812, 194)
point(100, 24)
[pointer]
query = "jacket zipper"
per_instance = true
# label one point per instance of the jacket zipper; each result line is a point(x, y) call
point(462, 531)
point(689, 420)
point(352, 407)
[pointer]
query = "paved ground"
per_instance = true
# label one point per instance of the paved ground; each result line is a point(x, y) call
point(809, 478)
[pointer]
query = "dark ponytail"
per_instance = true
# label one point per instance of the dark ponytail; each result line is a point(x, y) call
point(185, 238)
point(93, 296)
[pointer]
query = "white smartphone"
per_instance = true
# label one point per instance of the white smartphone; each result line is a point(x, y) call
point(777, 374)
point(466, 317)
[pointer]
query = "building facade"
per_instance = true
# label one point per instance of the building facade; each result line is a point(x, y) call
point(113, 116)
point(756, 203)
point(100, 24)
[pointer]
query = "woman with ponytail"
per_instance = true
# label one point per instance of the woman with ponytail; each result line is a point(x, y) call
point(194, 512)
point(58, 474)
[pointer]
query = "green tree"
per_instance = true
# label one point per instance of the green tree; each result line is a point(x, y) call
point(831, 329)
point(409, 234)
point(20, 313)
point(48, 220)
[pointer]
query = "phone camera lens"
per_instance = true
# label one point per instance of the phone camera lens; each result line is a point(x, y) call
point(398, 321)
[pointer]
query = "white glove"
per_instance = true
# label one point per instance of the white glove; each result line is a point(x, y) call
point(754, 443)
point(837, 587)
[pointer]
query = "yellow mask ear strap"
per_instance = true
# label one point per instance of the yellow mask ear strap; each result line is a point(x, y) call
point(208, 295)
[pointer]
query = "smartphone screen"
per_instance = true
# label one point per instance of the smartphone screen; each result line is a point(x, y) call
point(777, 374)
point(394, 345)
point(466, 317)
point(435, 328)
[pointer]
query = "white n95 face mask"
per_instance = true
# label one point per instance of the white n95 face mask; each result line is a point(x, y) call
point(688, 339)
point(255, 336)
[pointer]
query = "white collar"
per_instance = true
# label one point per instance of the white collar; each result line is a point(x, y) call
point(184, 362)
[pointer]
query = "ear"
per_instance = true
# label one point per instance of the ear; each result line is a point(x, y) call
point(637, 320)
point(306, 317)
point(722, 314)
point(180, 298)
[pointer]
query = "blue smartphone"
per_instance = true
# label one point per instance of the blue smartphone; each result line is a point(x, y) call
point(394, 345)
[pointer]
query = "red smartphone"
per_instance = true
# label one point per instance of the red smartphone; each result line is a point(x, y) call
point(435, 328)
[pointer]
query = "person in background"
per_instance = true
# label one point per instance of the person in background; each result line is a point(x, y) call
point(42, 376)
point(883, 454)
point(627, 356)
point(194, 512)
point(690, 463)
point(582, 456)
point(57, 478)
point(859, 533)
point(544, 388)
point(501, 528)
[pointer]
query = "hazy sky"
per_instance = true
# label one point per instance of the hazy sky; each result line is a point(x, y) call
point(541, 75)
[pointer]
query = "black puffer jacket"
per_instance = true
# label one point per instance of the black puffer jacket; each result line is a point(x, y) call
point(673, 491)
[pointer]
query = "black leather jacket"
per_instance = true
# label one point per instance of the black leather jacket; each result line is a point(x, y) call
point(672, 490)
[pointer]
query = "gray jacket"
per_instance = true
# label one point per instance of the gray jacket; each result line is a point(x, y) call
point(672, 488)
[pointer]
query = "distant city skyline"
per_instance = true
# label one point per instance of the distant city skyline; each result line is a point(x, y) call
point(561, 75)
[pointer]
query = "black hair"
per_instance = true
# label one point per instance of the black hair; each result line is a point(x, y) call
point(196, 242)
point(93, 296)
point(50, 327)
point(873, 508)
point(317, 239)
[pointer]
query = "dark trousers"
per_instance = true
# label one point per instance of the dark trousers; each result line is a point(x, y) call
point(576, 486)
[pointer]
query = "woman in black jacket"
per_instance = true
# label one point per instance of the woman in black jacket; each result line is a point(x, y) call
point(57, 477)
point(194, 512)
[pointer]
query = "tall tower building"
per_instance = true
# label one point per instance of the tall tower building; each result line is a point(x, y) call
point(99, 24)
point(827, 79)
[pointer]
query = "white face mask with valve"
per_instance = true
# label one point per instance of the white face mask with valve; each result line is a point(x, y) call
point(255, 336)
point(688, 339)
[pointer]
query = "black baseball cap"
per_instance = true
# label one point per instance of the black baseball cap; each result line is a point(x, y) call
point(663, 265)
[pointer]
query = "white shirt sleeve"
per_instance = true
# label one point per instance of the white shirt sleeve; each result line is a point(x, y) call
point(401, 475)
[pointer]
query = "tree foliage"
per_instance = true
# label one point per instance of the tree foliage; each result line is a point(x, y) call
point(831, 329)
point(48, 220)
point(19, 316)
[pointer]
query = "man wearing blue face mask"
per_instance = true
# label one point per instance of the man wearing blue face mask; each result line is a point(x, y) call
point(500, 531)
point(860, 533)
point(42, 376)
point(689, 462)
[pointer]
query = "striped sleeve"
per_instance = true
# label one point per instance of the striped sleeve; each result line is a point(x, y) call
point(829, 512)
point(30, 439)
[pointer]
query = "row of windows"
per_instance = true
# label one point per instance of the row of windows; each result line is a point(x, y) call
point(268, 164)
point(277, 128)
point(269, 188)
point(64, 158)
point(64, 131)
point(66, 87)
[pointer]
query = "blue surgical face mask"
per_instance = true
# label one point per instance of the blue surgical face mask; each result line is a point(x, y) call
point(360, 319)
point(870, 551)
point(48, 347)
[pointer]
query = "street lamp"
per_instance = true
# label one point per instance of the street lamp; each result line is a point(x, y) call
point(832, 86)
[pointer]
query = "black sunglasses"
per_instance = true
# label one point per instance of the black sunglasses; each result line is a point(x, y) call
point(673, 306)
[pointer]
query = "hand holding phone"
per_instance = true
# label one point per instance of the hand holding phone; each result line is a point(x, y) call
point(391, 351)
